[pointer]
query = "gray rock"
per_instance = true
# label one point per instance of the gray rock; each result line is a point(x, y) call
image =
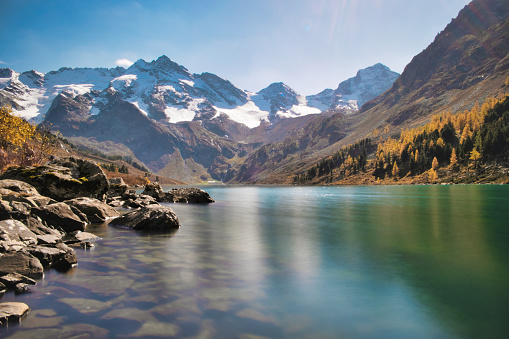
point(14, 235)
point(46, 255)
point(12, 279)
point(138, 200)
point(95, 210)
point(81, 240)
point(19, 187)
point(41, 201)
point(84, 245)
point(155, 191)
point(149, 218)
point(12, 312)
point(113, 202)
point(117, 187)
point(35, 224)
point(20, 210)
point(49, 239)
point(66, 262)
point(22, 288)
point(5, 209)
point(85, 236)
point(188, 195)
point(60, 216)
point(22, 263)
point(63, 179)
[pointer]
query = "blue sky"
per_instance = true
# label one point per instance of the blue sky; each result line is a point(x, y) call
point(308, 44)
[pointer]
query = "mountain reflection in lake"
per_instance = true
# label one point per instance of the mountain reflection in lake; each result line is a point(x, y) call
point(293, 262)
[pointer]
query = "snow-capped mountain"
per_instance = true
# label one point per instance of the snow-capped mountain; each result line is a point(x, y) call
point(192, 127)
point(161, 89)
point(166, 91)
point(351, 94)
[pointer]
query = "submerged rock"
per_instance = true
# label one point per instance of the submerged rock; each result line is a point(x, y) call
point(149, 218)
point(85, 306)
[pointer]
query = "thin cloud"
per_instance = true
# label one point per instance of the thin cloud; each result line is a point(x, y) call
point(3, 62)
point(124, 62)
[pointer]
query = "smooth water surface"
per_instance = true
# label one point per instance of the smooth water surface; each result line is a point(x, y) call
point(294, 262)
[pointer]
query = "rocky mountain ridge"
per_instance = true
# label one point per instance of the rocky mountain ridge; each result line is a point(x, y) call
point(165, 90)
point(191, 127)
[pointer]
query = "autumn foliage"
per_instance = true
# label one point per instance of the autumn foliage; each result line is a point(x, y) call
point(20, 142)
point(465, 139)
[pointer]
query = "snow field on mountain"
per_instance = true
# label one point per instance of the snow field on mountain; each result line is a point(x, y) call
point(248, 114)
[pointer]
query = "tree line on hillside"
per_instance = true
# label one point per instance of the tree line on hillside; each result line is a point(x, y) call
point(467, 138)
point(347, 161)
point(447, 140)
point(115, 168)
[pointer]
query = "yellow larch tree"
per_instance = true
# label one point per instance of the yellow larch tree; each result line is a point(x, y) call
point(454, 158)
point(434, 164)
point(395, 170)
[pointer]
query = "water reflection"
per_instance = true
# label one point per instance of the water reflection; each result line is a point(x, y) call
point(294, 262)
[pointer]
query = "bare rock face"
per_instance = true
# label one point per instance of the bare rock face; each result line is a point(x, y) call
point(149, 218)
point(63, 179)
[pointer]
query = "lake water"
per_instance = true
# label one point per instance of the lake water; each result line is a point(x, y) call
point(293, 262)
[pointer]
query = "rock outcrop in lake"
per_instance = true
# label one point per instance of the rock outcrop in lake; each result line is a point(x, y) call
point(149, 218)
point(184, 195)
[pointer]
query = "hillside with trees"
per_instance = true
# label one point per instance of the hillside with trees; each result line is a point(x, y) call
point(468, 147)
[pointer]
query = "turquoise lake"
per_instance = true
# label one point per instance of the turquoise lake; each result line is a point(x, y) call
point(293, 262)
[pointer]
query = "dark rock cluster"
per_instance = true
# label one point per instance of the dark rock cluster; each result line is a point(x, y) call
point(44, 211)
point(185, 195)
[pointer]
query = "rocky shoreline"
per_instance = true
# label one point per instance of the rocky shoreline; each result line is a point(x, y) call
point(44, 211)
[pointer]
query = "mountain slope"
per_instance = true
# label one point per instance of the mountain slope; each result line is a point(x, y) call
point(466, 63)
point(472, 51)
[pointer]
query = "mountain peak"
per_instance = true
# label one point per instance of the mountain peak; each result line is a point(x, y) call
point(278, 89)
